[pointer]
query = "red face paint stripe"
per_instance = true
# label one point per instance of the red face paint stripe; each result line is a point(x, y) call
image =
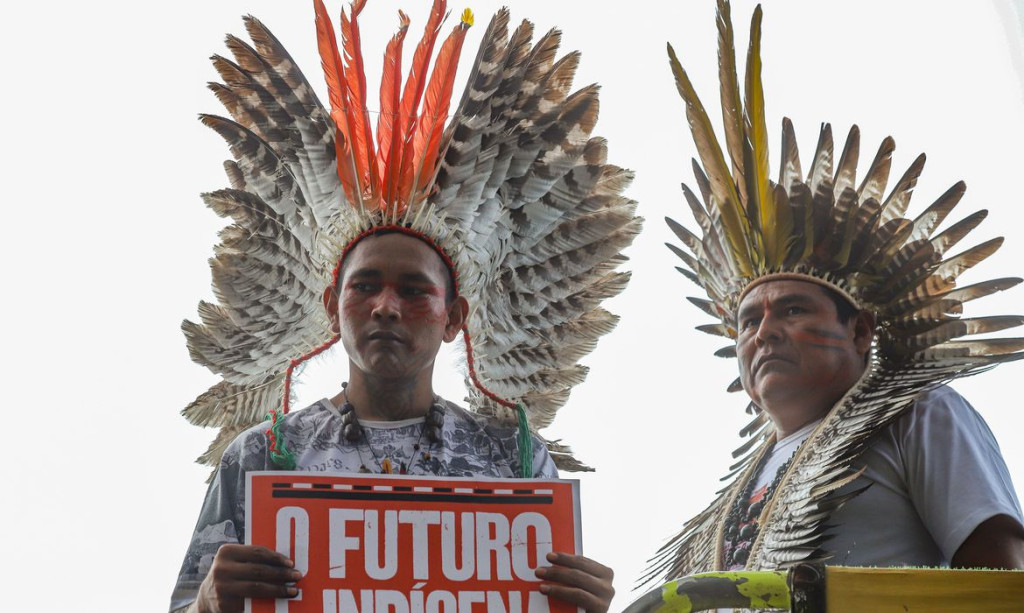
point(820, 338)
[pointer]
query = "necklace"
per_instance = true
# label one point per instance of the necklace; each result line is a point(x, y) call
point(743, 521)
point(354, 432)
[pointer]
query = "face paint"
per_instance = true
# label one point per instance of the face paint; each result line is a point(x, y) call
point(825, 339)
point(411, 302)
point(794, 353)
point(392, 308)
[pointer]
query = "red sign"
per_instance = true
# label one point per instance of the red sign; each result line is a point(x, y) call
point(393, 544)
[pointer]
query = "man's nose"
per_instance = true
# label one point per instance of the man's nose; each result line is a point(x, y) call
point(386, 304)
point(768, 330)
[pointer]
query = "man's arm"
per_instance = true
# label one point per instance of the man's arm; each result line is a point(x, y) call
point(998, 542)
point(580, 580)
point(244, 571)
point(959, 483)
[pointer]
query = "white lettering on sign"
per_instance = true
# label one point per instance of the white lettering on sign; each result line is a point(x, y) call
point(449, 546)
point(371, 541)
point(436, 601)
point(478, 545)
point(420, 521)
point(292, 541)
point(340, 542)
point(521, 527)
point(492, 537)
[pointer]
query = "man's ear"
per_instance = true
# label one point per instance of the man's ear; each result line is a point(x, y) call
point(458, 311)
point(863, 331)
point(330, 299)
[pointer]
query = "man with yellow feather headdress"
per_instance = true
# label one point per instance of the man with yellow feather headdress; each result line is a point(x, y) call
point(505, 224)
point(845, 318)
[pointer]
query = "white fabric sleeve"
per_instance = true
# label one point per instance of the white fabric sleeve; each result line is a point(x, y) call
point(543, 464)
point(955, 473)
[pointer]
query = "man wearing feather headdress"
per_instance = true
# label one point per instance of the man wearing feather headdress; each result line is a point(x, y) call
point(845, 319)
point(508, 224)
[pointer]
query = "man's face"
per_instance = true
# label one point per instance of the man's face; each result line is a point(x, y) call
point(391, 309)
point(794, 353)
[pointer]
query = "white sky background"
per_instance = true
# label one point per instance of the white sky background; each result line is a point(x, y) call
point(106, 245)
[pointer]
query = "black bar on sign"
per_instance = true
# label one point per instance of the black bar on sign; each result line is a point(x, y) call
point(411, 497)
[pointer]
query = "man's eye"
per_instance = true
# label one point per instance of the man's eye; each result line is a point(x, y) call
point(413, 291)
point(746, 324)
point(795, 310)
point(363, 287)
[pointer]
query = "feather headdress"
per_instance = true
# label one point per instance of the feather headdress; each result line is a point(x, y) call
point(513, 192)
point(826, 228)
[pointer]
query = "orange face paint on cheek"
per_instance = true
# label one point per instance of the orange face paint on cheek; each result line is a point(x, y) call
point(425, 304)
point(820, 338)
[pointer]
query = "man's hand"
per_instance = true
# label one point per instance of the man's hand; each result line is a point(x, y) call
point(244, 571)
point(580, 581)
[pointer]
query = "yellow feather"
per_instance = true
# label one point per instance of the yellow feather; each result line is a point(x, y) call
point(723, 190)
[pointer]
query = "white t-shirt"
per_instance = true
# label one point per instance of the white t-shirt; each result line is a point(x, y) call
point(780, 454)
point(934, 475)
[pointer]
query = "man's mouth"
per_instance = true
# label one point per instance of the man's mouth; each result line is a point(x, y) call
point(768, 359)
point(385, 336)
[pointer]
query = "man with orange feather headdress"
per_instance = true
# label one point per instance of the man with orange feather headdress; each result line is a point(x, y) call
point(506, 226)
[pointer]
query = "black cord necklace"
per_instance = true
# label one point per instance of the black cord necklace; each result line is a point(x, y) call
point(353, 432)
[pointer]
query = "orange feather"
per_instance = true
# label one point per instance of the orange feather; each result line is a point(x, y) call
point(435, 107)
point(414, 86)
point(359, 117)
point(414, 83)
point(390, 120)
point(337, 90)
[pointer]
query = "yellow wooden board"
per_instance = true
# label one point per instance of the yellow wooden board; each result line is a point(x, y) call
point(929, 590)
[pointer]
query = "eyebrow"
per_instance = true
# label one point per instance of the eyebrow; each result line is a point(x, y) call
point(407, 277)
point(782, 301)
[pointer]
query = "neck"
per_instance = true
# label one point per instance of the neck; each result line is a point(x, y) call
point(792, 425)
point(791, 412)
point(387, 399)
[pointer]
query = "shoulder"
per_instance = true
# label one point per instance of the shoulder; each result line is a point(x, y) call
point(469, 420)
point(500, 436)
point(939, 412)
point(249, 449)
point(475, 428)
point(943, 398)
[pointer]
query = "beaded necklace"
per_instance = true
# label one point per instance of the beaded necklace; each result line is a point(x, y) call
point(354, 432)
point(743, 521)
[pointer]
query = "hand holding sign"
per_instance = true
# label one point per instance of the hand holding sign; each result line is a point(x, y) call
point(584, 582)
point(244, 571)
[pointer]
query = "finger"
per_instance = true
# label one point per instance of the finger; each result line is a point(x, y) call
point(570, 577)
point(255, 554)
point(263, 573)
point(227, 571)
point(582, 563)
point(250, 589)
point(581, 598)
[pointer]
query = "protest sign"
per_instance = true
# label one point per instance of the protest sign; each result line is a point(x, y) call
point(391, 544)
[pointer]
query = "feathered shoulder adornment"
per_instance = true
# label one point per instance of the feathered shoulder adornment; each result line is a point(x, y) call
point(853, 237)
point(513, 191)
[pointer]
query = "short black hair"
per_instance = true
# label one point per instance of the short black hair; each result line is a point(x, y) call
point(845, 309)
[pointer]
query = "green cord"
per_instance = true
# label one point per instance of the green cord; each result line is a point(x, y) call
point(280, 455)
point(525, 445)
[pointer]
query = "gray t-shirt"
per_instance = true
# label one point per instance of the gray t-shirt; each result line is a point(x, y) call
point(471, 446)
